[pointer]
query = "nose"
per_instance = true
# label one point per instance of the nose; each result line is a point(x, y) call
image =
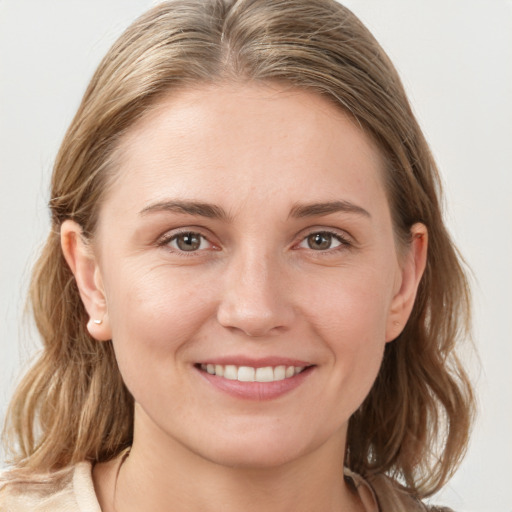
point(255, 299)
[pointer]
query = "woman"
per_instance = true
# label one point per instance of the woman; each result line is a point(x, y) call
point(248, 284)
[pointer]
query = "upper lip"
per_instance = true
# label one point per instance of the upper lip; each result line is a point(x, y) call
point(255, 362)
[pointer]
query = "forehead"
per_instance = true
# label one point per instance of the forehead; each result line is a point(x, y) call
point(260, 141)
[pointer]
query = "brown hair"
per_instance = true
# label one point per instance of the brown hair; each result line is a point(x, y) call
point(72, 405)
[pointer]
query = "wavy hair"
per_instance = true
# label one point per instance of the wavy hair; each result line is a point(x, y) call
point(72, 404)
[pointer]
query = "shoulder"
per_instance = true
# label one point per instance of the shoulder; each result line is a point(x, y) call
point(391, 497)
point(69, 490)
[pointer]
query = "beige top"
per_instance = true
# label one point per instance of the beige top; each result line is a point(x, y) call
point(74, 492)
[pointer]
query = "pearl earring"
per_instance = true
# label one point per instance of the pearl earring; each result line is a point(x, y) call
point(97, 322)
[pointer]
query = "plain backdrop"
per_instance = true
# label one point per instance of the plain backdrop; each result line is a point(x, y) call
point(455, 58)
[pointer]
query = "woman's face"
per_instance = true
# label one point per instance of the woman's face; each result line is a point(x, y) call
point(251, 281)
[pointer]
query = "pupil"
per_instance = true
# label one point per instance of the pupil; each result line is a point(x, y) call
point(188, 242)
point(319, 241)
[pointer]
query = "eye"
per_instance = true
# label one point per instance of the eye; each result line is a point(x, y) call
point(323, 241)
point(188, 242)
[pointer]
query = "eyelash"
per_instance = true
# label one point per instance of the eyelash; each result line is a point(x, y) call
point(344, 242)
point(167, 239)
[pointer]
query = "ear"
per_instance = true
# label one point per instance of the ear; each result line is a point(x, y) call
point(83, 264)
point(412, 268)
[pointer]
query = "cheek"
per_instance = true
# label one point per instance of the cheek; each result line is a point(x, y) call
point(350, 319)
point(153, 315)
point(357, 350)
point(350, 304)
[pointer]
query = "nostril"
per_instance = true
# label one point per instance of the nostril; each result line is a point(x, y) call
point(255, 332)
point(257, 321)
point(254, 302)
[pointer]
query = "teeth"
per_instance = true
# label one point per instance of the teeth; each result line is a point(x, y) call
point(250, 374)
point(231, 372)
point(246, 374)
point(265, 374)
point(280, 372)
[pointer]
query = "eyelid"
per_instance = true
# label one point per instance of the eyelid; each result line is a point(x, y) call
point(346, 240)
point(165, 239)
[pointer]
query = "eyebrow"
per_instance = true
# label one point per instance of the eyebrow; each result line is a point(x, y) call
point(317, 209)
point(213, 211)
point(188, 207)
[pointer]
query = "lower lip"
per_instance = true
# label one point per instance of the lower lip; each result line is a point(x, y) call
point(259, 391)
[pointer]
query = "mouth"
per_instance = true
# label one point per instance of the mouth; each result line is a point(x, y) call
point(263, 381)
point(252, 374)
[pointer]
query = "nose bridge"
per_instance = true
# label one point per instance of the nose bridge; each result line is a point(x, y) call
point(254, 299)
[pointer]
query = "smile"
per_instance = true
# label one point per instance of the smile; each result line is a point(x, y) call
point(257, 381)
point(250, 374)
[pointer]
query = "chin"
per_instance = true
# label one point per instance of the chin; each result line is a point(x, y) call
point(254, 457)
point(262, 449)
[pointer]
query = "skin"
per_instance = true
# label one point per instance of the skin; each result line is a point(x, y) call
point(254, 288)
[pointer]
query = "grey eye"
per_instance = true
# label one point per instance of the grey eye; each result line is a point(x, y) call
point(321, 241)
point(187, 242)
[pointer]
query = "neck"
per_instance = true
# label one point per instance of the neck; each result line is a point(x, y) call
point(172, 477)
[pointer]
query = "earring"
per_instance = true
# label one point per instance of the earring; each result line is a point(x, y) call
point(97, 322)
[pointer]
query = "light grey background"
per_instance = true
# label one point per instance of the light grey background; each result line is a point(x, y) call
point(455, 57)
